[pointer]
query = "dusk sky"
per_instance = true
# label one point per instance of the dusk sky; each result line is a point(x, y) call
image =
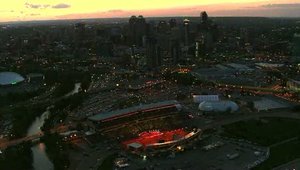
point(22, 10)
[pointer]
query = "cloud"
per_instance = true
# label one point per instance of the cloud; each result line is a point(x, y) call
point(36, 6)
point(45, 6)
point(33, 14)
point(115, 11)
point(294, 5)
point(61, 6)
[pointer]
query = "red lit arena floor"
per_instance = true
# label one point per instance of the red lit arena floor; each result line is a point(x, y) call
point(152, 137)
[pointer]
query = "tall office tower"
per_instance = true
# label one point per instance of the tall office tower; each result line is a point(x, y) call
point(162, 27)
point(244, 34)
point(79, 30)
point(153, 53)
point(141, 29)
point(199, 44)
point(172, 23)
point(208, 31)
point(132, 29)
point(79, 40)
point(137, 29)
point(186, 24)
point(204, 17)
point(175, 51)
point(205, 23)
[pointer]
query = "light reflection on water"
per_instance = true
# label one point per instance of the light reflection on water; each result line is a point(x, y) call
point(40, 158)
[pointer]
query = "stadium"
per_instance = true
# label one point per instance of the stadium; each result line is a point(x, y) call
point(11, 82)
point(10, 78)
point(146, 127)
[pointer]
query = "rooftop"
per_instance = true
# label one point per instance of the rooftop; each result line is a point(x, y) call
point(118, 113)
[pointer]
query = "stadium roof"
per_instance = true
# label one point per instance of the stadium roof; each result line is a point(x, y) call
point(132, 110)
point(10, 78)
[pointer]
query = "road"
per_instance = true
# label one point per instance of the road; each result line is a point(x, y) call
point(13, 142)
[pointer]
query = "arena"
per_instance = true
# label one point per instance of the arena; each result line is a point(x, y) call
point(155, 126)
point(10, 78)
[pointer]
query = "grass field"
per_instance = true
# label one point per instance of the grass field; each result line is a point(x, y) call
point(108, 163)
point(266, 131)
point(281, 154)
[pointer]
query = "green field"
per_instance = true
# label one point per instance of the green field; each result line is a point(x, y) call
point(266, 131)
point(281, 154)
point(108, 163)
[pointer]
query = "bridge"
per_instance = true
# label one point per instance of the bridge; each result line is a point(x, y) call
point(8, 143)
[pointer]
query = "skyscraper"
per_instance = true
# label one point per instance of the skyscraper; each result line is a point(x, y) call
point(153, 53)
point(79, 30)
point(172, 23)
point(207, 33)
point(186, 24)
point(79, 40)
point(137, 29)
point(162, 27)
point(204, 17)
point(175, 51)
point(199, 44)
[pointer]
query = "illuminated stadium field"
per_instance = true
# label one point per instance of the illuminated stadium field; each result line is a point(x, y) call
point(158, 138)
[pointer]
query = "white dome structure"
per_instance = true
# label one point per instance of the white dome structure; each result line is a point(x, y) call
point(10, 78)
point(218, 106)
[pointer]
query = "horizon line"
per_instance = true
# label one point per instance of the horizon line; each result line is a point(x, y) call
point(179, 16)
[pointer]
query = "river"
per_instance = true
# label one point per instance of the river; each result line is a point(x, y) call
point(40, 158)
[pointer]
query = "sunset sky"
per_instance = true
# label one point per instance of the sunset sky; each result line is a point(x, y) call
point(22, 10)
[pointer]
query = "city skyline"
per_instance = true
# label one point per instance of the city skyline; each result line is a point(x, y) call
point(26, 10)
point(145, 84)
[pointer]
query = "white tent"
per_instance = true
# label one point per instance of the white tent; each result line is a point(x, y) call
point(218, 106)
point(202, 98)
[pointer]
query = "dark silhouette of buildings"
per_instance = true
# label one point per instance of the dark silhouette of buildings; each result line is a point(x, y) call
point(207, 35)
point(137, 30)
point(162, 27)
point(153, 53)
point(175, 50)
point(79, 30)
point(172, 23)
point(186, 24)
point(204, 17)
